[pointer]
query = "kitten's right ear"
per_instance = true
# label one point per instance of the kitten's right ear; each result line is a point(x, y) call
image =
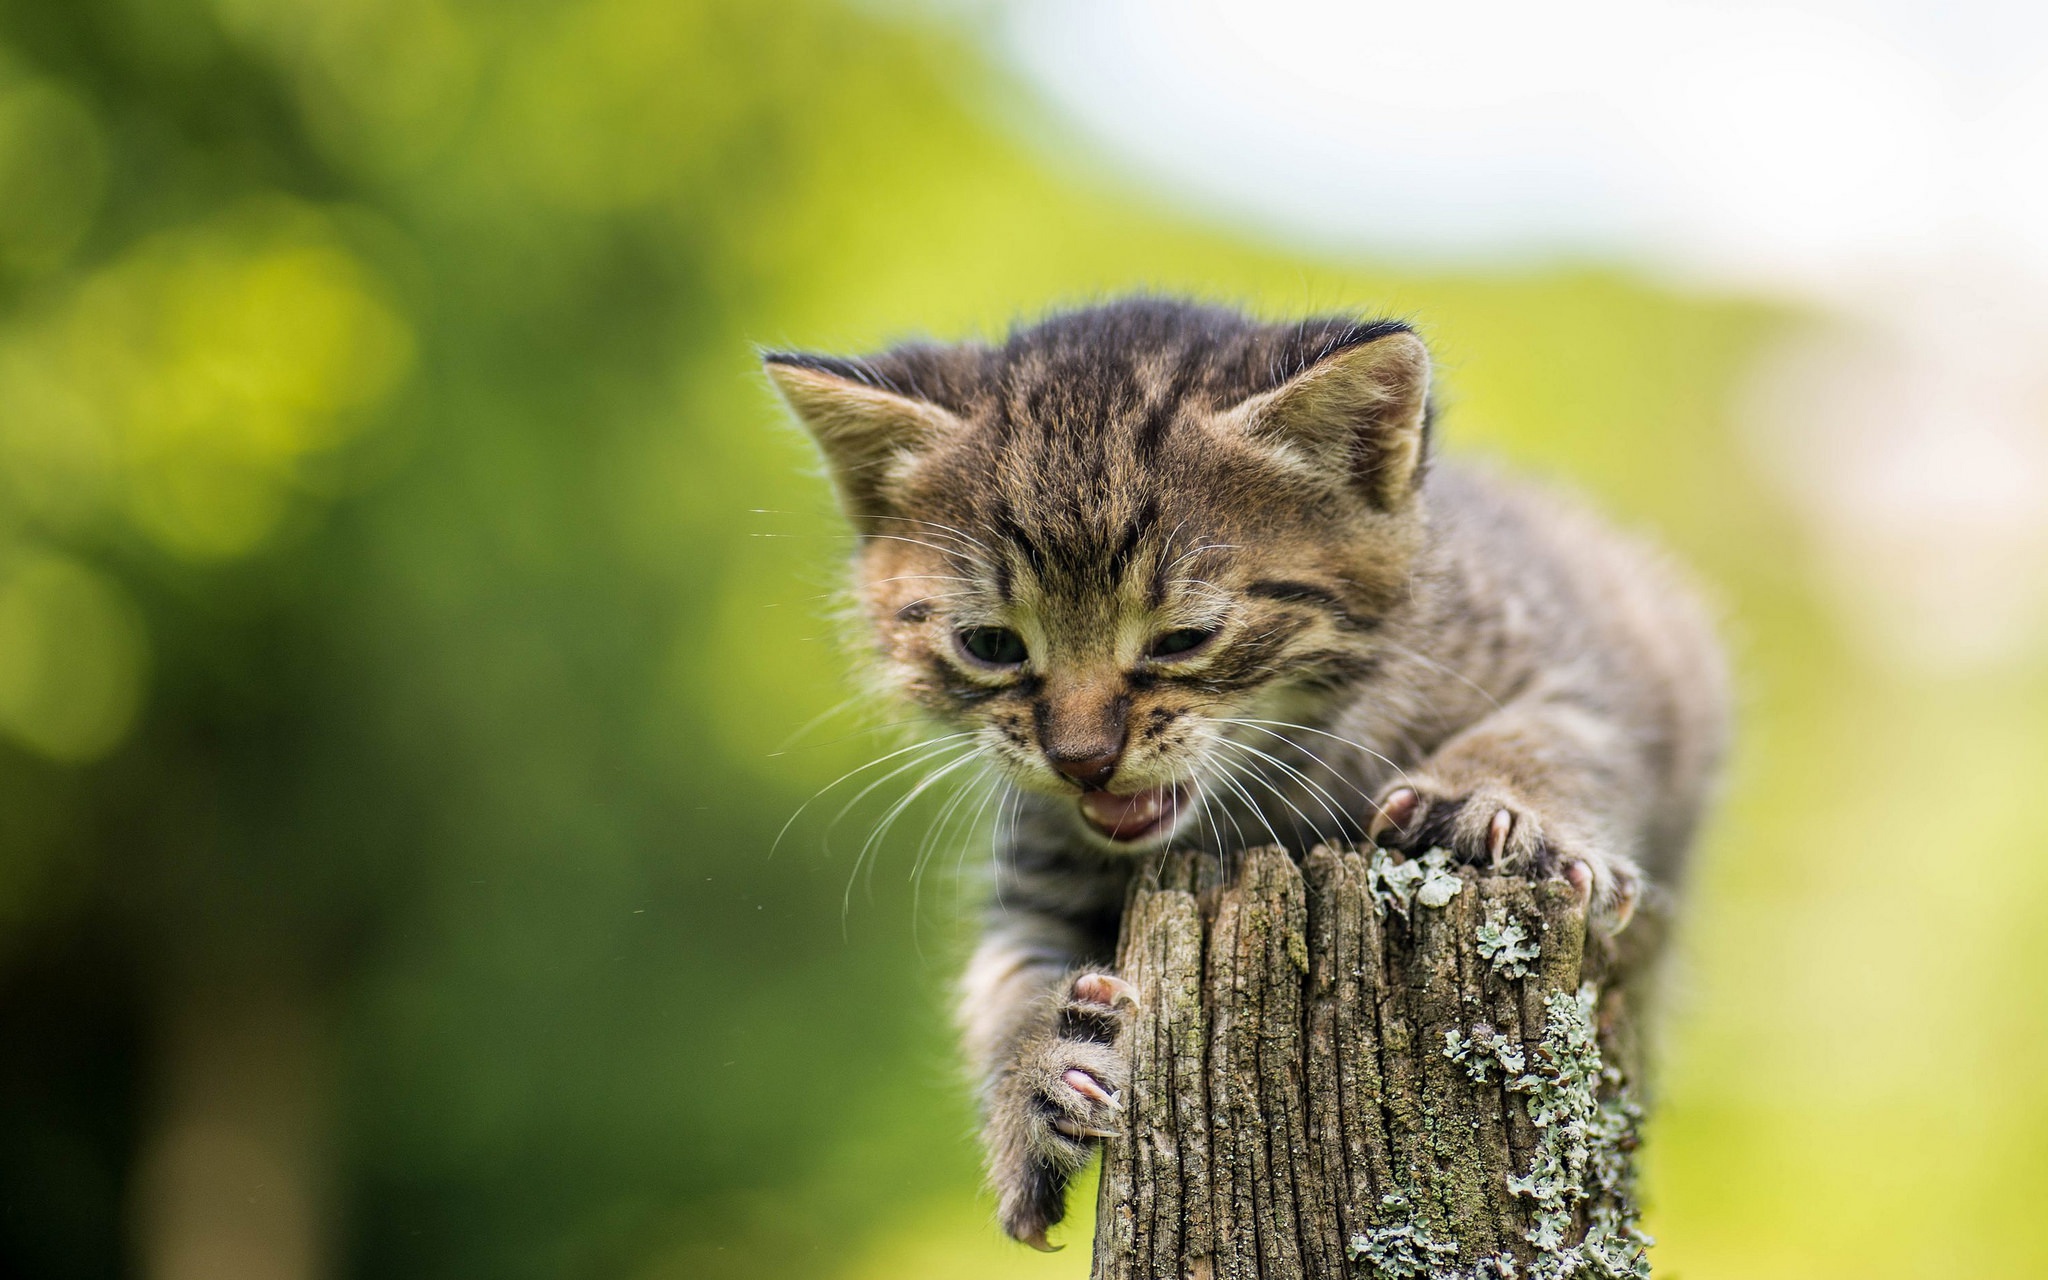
point(870, 435)
point(1360, 410)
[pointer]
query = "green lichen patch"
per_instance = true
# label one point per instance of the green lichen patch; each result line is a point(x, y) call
point(1392, 883)
point(1583, 1143)
point(1439, 883)
point(1403, 1246)
point(1506, 945)
point(1427, 880)
point(1484, 1051)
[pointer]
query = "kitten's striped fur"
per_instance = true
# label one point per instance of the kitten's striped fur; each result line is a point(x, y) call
point(1384, 645)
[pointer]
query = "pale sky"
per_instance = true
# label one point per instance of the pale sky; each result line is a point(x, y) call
point(1794, 142)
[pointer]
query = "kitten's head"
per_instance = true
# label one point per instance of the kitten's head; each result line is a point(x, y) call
point(1095, 545)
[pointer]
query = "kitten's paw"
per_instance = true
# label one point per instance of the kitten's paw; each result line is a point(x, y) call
point(1484, 826)
point(1490, 826)
point(1064, 1091)
point(1612, 886)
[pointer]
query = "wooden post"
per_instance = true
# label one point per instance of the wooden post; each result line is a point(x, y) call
point(1356, 1068)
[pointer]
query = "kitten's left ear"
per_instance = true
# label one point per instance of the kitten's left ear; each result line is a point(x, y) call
point(868, 433)
point(1359, 411)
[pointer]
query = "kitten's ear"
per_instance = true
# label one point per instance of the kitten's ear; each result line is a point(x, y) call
point(868, 433)
point(1360, 411)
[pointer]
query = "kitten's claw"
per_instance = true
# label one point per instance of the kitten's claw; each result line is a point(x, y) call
point(1394, 812)
point(1497, 834)
point(1104, 1101)
point(1085, 1085)
point(1105, 989)
point(1610, 896)
point(1038, 1241)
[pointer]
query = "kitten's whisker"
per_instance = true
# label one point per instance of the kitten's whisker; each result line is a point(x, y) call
point(870, 788)
point(936, 828)
point(1321, 796)
point(1192, 552)
point(1207, 812)
point(1196, 775)
point(997, 788)
point(937, 822)
point(1324, 733)
point(1202, 808)
point(1243, 842)
point(852, 773)
point(1015, 801)
point(1254, 775)
point(1334, 771)
point(1329, 768)
point(881, 830)
point(1229, 781)
point(896, 809)
point(934, 833)
point(922, 523)
point(1210, 803)
point(960, 534)
point(950, 553)
point(923, 577)
point(1166, 547)
point(984, 784)
point(931, 748)
point(1207, 587)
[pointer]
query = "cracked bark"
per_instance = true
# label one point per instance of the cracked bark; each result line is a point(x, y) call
point(1295, 1109)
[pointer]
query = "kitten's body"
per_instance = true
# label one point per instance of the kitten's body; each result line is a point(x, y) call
point(1243, 606)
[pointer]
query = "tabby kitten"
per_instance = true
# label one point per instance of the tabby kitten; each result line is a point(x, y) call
point(1190, 578)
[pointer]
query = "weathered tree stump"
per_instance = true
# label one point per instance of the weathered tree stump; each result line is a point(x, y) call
point(1356, 1068)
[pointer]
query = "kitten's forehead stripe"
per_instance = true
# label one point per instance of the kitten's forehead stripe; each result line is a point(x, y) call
point(1155, 586)
point(1140, 524)
point(1291, 592)
point(1286, 591)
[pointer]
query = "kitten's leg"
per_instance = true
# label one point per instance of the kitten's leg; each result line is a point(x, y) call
point(1544, 786)
point(1043, 1032)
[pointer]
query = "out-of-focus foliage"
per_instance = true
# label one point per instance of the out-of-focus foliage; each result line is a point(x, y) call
point(390, 627)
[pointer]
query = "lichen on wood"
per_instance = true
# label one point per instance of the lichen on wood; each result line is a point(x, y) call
point(1360, 1068)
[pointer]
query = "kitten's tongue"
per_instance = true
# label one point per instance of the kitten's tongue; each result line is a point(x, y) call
point(1122, 817)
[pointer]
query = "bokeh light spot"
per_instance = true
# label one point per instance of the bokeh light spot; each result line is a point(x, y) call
point(52, 172)
point(72, 658)
point(206, 368)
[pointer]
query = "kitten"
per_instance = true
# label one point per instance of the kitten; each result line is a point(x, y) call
point(1190, 578)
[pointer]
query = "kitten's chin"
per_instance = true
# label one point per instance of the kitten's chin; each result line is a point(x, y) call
point(1140, 820)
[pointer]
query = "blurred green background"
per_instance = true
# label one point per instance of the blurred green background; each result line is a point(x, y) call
point(409, 596)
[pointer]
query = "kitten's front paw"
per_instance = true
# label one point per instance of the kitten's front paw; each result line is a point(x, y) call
point(1489, 826)
point(1063, 1092)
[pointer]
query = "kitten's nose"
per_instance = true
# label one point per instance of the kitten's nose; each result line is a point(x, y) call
point(1092, 772)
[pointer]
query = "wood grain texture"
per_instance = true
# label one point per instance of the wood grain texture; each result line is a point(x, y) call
point(1351, 1067)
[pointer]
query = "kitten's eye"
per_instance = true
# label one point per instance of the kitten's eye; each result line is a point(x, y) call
point(1172, 644)
point(997, 646)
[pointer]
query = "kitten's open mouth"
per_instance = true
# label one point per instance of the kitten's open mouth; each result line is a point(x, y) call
point(1137, 816)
